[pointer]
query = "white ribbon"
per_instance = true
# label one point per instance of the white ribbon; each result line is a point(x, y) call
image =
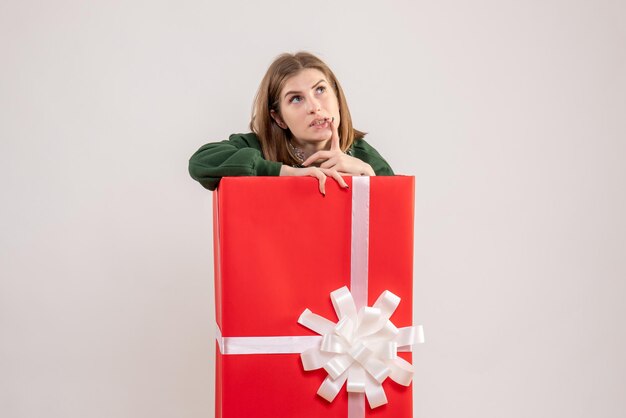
point(359, 246)
point(361, 348)
point(265, 345)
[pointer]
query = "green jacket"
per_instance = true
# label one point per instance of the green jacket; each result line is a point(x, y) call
point(241, 155)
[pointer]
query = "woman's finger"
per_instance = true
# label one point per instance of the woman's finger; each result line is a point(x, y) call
point(321, 177)
point(330, 163)
point(340, 164)
point(334, 174)
point(319, 155)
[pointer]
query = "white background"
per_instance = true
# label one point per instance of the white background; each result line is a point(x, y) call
point(511, 115)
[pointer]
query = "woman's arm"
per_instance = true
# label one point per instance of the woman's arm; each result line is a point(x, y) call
point(240, 155)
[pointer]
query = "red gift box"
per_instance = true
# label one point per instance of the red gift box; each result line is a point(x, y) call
point(281, 247)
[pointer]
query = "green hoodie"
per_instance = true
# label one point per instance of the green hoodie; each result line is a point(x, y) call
point(241, 155)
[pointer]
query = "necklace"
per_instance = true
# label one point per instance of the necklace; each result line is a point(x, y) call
point(297, 152)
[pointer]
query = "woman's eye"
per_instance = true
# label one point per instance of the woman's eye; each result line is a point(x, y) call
point(321, 89)
point(295, 99)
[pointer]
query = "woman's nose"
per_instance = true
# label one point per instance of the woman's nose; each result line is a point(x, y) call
point(314, 105)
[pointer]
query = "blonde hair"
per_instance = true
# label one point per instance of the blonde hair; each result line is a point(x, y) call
point(272, 137)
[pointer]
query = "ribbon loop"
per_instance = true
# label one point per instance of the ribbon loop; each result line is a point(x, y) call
point(374, 393)
point(389, 350)
point(315, 322)
point(338, 364)
point(370, 321)
point(405, 337)
point(387, 302)
point(356, 380)
point(377, 369)
point(345, 328)
point(331, 387)
point(343, 303)
point(420, 334)
point(360, 353)
point(332, 343)
point(313, 359)
point(387, 332)
point(401, 371)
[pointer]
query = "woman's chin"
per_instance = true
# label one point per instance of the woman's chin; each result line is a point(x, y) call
point(317, 137)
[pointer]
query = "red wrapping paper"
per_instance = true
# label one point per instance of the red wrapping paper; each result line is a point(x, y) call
point(280, 247)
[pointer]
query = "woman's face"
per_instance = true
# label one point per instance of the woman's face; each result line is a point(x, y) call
point(305, 101)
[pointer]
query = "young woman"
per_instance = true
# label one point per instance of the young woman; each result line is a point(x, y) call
point(301, 126)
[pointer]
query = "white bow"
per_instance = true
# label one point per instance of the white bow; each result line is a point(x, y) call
point(361, 348)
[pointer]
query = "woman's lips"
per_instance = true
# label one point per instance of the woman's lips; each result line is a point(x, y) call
point(320, 123)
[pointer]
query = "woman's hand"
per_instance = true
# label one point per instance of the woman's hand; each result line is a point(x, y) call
point(319, 173)
point(336, 160)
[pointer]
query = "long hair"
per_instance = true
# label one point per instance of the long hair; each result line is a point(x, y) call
point(272, 137)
